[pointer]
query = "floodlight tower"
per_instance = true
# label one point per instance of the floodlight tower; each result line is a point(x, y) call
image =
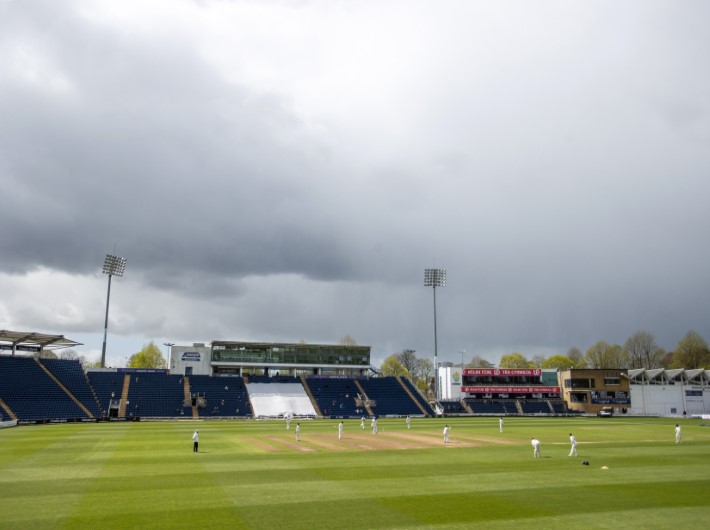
point(170, 353)
point(435, 278)
point(113, 266)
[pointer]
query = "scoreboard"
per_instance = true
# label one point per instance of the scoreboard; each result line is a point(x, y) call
point(610, 398)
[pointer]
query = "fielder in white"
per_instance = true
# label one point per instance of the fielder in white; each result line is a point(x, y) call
point(288, 421)
point(536, 447)
point(500, 424)
point(362, 422)
point(298, 432)
point(573, 441)
point(409, 421)
point(446, 434)
point(677, 433)
point(340, 430)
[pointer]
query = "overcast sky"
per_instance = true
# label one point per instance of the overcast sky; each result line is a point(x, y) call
point(286, 170)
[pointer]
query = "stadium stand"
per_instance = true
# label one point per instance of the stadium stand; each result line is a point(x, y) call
point(335, 397)
point(417, 395)
point(535, 407)
point(71, 374)
point(224, 396)
point(558, 406)
point(452, 407)
point(107, 385)
point(154, 395)
point(390, 397)
point(490, 407)
point(31, 393)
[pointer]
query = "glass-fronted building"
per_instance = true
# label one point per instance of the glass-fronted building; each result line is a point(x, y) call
point(269, 358)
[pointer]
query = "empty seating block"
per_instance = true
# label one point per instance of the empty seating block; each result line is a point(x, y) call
point(453, 407)
point(418, 396)
point(535, 407)
point(336, 397)
point(490, 407)
point(32, 394)
point(107, 386)
point(390, 397)
point(224, 396)
point(71, 374)
point(154, 395)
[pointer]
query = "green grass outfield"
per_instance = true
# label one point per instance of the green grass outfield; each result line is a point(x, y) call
point(252, 474)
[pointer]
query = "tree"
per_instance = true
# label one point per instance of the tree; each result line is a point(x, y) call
point(69, 354)
point(45, 354)
point(479, 362)
point(667, 360)
point(149, 357)
point(618, 357)
point(92, 364)
point(347, 340)
point(424, 371)
point(643, 351)
point(392, 367)
point(605, 355)
point(537, 360)
point(577, 358)
point(72, 355)
point(513, 360)
point(560, 362)
point(408, 358)
point(691, 352)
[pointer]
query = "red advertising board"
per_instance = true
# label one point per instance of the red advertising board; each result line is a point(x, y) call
point(502, 371)
point(511, 389)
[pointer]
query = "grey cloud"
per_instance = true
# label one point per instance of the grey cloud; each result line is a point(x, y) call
point(559, 173)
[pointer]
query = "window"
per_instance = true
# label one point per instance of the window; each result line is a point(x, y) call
point(612, 381)
point(582, 383)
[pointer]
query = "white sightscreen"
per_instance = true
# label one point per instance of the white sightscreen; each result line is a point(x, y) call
point(277, 399)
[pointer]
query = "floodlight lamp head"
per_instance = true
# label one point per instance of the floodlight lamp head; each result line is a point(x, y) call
point(434, 277)
point(114, 265)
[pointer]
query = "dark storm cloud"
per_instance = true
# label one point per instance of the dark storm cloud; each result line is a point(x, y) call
point(289, 179)
point(154, 153)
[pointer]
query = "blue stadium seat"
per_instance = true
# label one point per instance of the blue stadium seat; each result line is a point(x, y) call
point(71, 374)
point(224, 396)
point(32, 394)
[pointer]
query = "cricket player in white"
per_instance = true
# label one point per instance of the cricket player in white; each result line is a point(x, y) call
point(288, 421)
point(446, 434)
point(362, 422)
point(500, 424)
point(374, 425)
point(677, 433)
point(573, 441)
point(409, 421)
point(340, 430)
point(298, 432)
point(536, 447)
